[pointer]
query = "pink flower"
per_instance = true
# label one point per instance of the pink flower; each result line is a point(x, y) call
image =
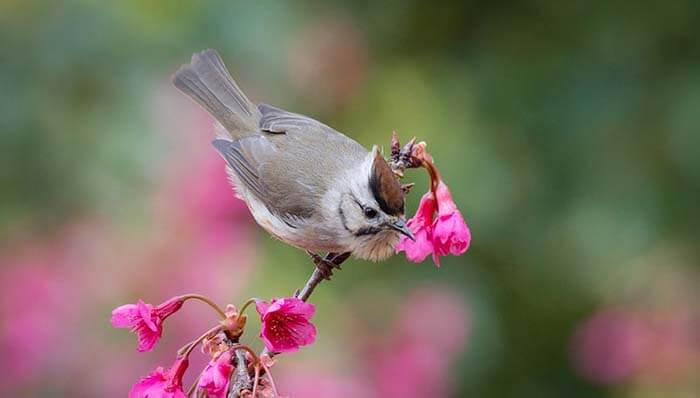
point(145, 320)
point(285, 324)
point(446, 234)
point(216, 375)
point(450, 233)
point(162, 383)
point(422, 227)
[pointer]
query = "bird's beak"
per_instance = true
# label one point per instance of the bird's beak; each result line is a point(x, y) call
point(400, 225)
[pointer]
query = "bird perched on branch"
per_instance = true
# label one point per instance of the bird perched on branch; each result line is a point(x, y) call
point(304, 182)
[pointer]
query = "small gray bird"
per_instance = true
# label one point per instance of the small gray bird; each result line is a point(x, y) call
point(305, 183)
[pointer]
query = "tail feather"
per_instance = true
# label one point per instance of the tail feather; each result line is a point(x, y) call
point(207, 81)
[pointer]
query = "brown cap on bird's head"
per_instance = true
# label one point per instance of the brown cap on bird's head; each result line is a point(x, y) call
point(385, 187)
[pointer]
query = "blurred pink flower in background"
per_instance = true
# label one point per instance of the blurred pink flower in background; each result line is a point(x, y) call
point(196, 202)
point(429, 334)
point(609, 346)
point(620, 345)
point(675, 349)
point(314, 380)
point(436, 314)
point(39, 305)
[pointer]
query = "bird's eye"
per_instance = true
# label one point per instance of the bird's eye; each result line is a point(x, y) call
point(369, 212)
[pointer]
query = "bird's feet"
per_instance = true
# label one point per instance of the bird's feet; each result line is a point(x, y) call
point(326, 264)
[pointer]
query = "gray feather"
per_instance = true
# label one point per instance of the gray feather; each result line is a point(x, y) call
point(207, 81)
point(285, 159)
point(292, 161)
point(248, 173)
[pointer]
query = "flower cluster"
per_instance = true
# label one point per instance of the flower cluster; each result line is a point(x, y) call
point(438, 226)
point(285, 326)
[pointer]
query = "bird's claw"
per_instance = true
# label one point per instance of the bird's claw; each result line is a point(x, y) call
point(324, 265)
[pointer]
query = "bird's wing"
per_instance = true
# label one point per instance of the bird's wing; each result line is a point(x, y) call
point(276, 120)
point(291, 163)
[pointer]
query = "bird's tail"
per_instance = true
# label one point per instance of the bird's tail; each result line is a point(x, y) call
point(207, 81)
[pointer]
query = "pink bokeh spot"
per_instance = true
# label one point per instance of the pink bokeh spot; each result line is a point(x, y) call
point(145, 320)
point(216, 375)
point(411, 361)
point(610, 346)
point(285, 324)
point(162, 383)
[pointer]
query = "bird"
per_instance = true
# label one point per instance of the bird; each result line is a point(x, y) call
point(305, 183)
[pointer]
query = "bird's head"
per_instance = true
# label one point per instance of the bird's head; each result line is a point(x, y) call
point(372, 210)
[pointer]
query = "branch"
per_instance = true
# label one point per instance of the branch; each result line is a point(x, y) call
point(241, 377)
point(317, 276)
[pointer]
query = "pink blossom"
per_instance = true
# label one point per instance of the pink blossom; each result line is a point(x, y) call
point(446, 234)
point(285, 324)
point(145, 320)
point(215, 378)
point(422, 227)
point(450, 233)
point(162, 383)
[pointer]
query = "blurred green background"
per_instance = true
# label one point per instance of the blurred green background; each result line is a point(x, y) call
point(567, 132)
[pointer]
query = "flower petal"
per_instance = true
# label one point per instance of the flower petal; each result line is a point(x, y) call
point(123, 316)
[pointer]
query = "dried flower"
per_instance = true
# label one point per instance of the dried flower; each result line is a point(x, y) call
point(162, 383)
point(216, 375)
point(145, 320)
point(285, 324)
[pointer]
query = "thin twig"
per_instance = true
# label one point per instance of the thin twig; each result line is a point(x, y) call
point(317, 276)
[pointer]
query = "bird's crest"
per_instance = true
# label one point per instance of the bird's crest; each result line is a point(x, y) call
point(385, 186)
